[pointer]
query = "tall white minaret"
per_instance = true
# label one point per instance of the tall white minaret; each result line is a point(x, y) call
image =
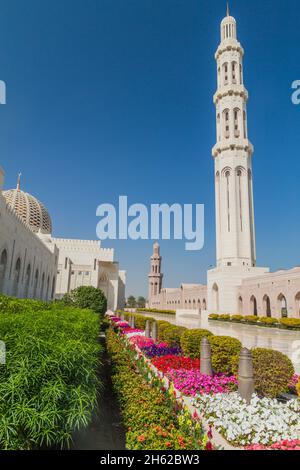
point(233, 151)
point(155, 276)
point(235, 232)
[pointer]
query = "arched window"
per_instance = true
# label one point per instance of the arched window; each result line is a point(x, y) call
point(53, 288)
point(236, 115)
point(36, 283)
point(282, 306)
point(267, 306)
point(226, 123)
point(234, 72)
point(27, 281)
point(16, 278)
point(218, 127)
point(42, 286)
point(215, 293)
point(245, 124)
point(240, 305)
point(3, 266)
point(227, 176)
point(225, 73)
point(204, 304)
point(253, 303)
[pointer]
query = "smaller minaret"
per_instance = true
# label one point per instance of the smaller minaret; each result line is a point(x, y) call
point(155, 277)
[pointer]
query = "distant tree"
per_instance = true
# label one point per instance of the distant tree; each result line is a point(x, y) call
point(131, 302)
point(87, 297)
point(141, 302)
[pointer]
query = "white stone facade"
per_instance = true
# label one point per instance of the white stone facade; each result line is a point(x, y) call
point(85, 263)
point(33, 264)
point(27, 265)
point(236, 284)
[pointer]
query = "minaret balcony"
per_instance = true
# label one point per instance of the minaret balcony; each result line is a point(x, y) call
point(231, 90)
point(229, 45)
point(232, 144)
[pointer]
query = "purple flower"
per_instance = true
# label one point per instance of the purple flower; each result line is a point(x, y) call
point(161, 349)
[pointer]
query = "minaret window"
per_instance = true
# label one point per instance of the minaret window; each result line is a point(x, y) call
point(226, 127)
point(241, 74)
point(236, 123)
point(225, 73)
point(245, 125)
point(234, 66)
point(239, 177)
point(227, 176)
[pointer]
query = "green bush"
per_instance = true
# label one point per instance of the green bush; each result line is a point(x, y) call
point(172, 334)
point(161, 326)
point(191, 341)
point(214, 316)
point(268, 320)
point(237, 318)
point(157, 310)
point(48, 387)
point(224, 317)
point(225, 350)
point(251, 319)
point(273, 372)
point(87, 297)
point(139, 320)
point(290, 323)
point(298, 388)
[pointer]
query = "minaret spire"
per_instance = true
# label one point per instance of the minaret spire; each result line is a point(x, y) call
point(19, 182)
point(228, 12)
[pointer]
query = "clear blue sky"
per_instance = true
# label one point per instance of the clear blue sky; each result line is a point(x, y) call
point(105, 95)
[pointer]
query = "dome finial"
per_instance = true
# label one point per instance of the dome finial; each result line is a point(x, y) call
point(228, 11)
point(19, 182)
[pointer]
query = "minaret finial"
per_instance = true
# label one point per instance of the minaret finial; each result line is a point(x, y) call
point(228, 11)
point(19, 182)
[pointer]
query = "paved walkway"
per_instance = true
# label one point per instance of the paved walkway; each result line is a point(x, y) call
point(250, 336)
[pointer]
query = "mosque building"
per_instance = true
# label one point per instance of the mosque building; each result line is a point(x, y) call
point(236, 284)
point(33, 264)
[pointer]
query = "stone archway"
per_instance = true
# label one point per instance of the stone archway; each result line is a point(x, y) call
point(16, 278)
point(27, 281)
point(216, 300)
point(104, 284)
point(253, 304)
point(267, 306)
point(3, 266)
point(282, 306)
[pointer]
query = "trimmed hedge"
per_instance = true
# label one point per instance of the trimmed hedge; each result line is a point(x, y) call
point(225, 351)
point(191, 341)
point(290, 323)
point(157, 310)
point(161, 326)
point(172, 334)
point(273, 372)
point(268, 321)
point(298, 388)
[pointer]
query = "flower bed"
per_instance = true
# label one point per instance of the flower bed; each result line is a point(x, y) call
point(153, 418)
point(264, 421)
point(161, 349)
point(192, 383)
point(283, 445)
point(165, 363)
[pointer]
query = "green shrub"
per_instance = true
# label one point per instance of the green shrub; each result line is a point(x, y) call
point(157, 310)
point(225, 350)
point(290, 323)
point(237, 318)
point(268, 320)
point(48, 387)
point(87, 297)
point(273, 372)
point(251, 319)
point(191, 341)
point(214, 316)
point(161, 326)
point(224, 317)
point(172, 334)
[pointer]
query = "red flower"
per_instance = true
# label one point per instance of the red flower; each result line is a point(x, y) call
point(209, 446)
point(175, 362)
